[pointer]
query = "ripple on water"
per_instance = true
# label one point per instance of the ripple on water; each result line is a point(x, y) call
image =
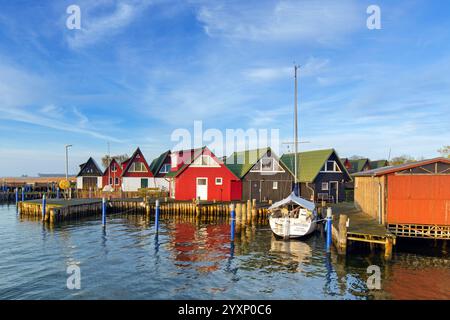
point(196, 261)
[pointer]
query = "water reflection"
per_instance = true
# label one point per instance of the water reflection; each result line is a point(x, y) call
point(197, 260)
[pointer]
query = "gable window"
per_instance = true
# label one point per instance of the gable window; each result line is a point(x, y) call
point(267, 164)
point(137, 167)
point(165, 168)
point(324, 186)
point(219, 181)
point(331, 166)
point(205, 161)
point(275, 185)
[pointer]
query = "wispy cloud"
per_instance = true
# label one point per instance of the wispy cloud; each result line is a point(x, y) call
point(97, 28)
point(27, 98)
point(283, 20)
point(312, 67)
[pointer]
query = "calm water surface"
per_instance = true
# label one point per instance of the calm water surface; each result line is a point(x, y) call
point(190, 260)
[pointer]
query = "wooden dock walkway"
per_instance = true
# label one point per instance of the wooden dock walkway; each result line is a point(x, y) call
point(361, 228)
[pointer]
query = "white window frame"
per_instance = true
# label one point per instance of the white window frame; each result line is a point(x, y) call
point(275, 185)
point(164, 168)
point(217, 183)
point(210, 163)
point(274, 163)
point(116, 181)
point(327, 186)
point(336, 168)
point(133, 167)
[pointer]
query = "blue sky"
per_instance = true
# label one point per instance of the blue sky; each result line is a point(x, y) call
point(138, 70)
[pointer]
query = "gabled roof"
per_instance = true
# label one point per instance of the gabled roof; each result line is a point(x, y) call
point(193, 154)
point(378, 164)
point(400, 167)
point(310, 163)
point(131, 159)
point(241, 162)
point(91, 162)
point(157, 163)
point(358, 164)
point(110, 164)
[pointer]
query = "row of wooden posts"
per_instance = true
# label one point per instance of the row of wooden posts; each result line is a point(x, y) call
point(246, 213)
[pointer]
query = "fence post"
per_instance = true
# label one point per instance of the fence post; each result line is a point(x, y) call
point(157, 215)
point(233, 221)
point(44, 204)
point(329, 227)
point(103, 211)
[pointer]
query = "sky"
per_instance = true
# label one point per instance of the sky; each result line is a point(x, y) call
point(138, 72)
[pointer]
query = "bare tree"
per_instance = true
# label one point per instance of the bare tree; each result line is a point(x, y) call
point(119, 158)
point(445, 151)
point(401, 160)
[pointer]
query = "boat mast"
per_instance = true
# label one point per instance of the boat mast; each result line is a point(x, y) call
point(295, 131)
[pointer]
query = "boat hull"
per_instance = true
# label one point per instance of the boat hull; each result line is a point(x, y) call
point(290, 228)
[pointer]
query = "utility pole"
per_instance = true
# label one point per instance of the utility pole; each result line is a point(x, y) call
point(109, 165)
point(295, 128)
point(67, 146)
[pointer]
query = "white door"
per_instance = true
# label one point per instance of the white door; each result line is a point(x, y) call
point(202, 188)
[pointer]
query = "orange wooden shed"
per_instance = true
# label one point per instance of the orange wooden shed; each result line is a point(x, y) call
point(412, 200)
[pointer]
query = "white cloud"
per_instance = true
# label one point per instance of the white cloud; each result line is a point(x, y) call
point(284, 20)
point(312, 67)
point(27, 98)
point(97, 28)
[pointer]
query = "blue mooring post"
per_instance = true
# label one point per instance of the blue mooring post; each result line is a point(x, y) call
point(233, 221)
point(44, 203)
point(23, 194)
point(103, 211)
point(157, 216)
point(57, 193)
point(329, 227)
point(17, 195)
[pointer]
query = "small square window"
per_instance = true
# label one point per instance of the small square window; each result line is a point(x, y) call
point(275, 185)
point(219, 181)
point(324, 186)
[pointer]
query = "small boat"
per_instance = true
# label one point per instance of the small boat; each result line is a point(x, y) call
point(293, 217)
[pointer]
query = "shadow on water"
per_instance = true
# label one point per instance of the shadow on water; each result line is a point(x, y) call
point(190, 259)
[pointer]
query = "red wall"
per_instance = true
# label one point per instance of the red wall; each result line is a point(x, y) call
point(139, 174)
point(186, 184)
point(418, 199)
point(117, 174)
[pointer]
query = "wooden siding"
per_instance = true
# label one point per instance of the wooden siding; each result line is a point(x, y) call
point(367, 195)
point(419, 199)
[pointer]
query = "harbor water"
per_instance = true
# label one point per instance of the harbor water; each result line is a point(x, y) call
point(192, 260)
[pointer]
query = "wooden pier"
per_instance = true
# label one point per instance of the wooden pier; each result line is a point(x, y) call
point(56, 210)
point(361, 228)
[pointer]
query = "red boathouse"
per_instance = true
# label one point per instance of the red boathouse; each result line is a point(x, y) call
point(199, 174)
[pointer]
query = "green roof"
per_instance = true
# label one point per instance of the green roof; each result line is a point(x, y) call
point(310, 163)
point(358, 165)
point(378, 164)
point(241, 162)
point(156, 164)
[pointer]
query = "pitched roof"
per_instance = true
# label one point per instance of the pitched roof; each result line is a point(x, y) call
point(358, 164)
point(193, 154)
point(378, 164)
point(241, 162)
point(157, 163)
point(400, 167)
point(110, 164)
point(130, 160)
point(310, 163)
point(94, 163)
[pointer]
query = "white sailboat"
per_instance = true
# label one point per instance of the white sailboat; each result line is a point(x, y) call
point(293, 217)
